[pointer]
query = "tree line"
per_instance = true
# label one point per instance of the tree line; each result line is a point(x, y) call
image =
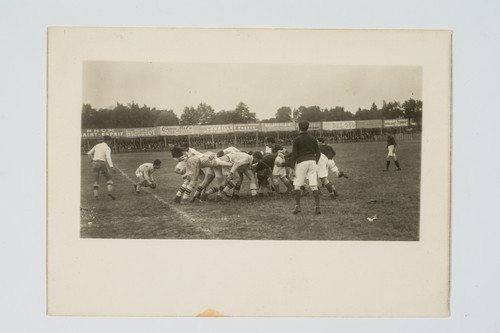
point(132, 115)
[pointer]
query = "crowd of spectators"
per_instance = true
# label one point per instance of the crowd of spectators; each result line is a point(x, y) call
point(247, 140)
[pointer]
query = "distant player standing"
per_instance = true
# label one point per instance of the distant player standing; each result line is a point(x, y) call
point(391, 152)
point(100, 155)
point(305, 155)
point(144, 175)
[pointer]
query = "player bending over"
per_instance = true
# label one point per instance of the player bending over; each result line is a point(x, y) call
point(194, 164)
point(242, 165)
point(144, 175)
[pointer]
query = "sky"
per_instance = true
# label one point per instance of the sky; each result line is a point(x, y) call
point(262, 87)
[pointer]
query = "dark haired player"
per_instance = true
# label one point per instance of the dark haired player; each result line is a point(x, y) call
point(100, 156)
point(305, 156)
point(391, 152)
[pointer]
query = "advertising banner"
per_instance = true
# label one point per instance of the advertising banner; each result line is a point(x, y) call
point(98, 133)
point(376, 123)
point(216, 129)
point(313, 126)
point(246, 127)
point(339, 125)
point(396, 123)
point(141, 132)
point(277, 127)
point(178, 130)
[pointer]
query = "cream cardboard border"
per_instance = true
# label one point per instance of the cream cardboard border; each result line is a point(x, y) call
point(246, 278)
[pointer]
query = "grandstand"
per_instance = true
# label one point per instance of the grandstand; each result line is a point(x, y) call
point(247, 135)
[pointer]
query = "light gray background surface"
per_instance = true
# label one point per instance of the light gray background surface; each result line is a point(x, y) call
point(475, 224)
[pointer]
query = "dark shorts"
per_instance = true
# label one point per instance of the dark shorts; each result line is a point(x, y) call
point(101, 167)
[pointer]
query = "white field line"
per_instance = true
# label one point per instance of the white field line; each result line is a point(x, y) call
point(184, 217)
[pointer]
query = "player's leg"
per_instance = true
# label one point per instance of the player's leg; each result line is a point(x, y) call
point(209, 177)
point(253, 181)
point(181, 190)
point(396, 162)
point(298, 183)
point(141, 182)
point(97, 171)
point(312, 173)
point(109, 182)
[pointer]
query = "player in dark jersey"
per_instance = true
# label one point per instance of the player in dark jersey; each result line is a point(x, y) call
point(326, 149)
point(391, 152)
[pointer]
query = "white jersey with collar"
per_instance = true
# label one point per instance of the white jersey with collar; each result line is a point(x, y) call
point(101, 152)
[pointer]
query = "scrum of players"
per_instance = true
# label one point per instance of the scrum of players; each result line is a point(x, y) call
point(222, 174)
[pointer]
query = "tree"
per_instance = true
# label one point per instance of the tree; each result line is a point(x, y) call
point(283, 115)
point(243, 114)
point(206, 113)
point(202, 115)
point(166, 118)
point(412, 109)
point(311, 113)
point(190, 116)
point(336, 114)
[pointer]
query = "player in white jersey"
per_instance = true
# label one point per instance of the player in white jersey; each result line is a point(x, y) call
point(100, 155)
point(194, 164)
point(144, 175)
point(220, 173)
point(242, 165)
point(280, 172)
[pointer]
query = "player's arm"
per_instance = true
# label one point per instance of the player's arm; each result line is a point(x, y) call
point(293, 159)
point(91, 154)
point(317, 150)
point(108, 158)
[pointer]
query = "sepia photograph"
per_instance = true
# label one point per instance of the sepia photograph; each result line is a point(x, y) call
point(248, 172)
point(250, 151)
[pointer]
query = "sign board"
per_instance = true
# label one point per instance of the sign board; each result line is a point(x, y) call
point(396, 123)
point(277, 127)
point(339, 125)
point(376, 123)
point(178, 130)
point(97, 133)
point(216, 129)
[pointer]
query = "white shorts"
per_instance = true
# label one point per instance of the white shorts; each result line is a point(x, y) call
point(306, 169)
point(140, 176)
point(322, 167)
point(391, 151)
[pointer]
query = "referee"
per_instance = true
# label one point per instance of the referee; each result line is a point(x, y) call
point(305, 156)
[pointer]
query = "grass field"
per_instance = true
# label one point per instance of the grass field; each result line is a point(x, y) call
point(393, 196)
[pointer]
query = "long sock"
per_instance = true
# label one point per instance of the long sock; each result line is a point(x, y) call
point(397, 164)
point(181, 190)
point(316, 197)
point(211, 191)
point(297, 194)
point(236, 190)
point(329, 187)
point(199, 189)
point(187, 192)
point(387, 165)
point(96, 190)
point(110, 187)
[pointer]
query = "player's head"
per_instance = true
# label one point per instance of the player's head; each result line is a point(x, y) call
point(157, 164)
point(257, 156)
point(276, 148)
point(170, 146)
point(220, 153)
point(321, 140)
point(304, 126)
point(106, 138)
